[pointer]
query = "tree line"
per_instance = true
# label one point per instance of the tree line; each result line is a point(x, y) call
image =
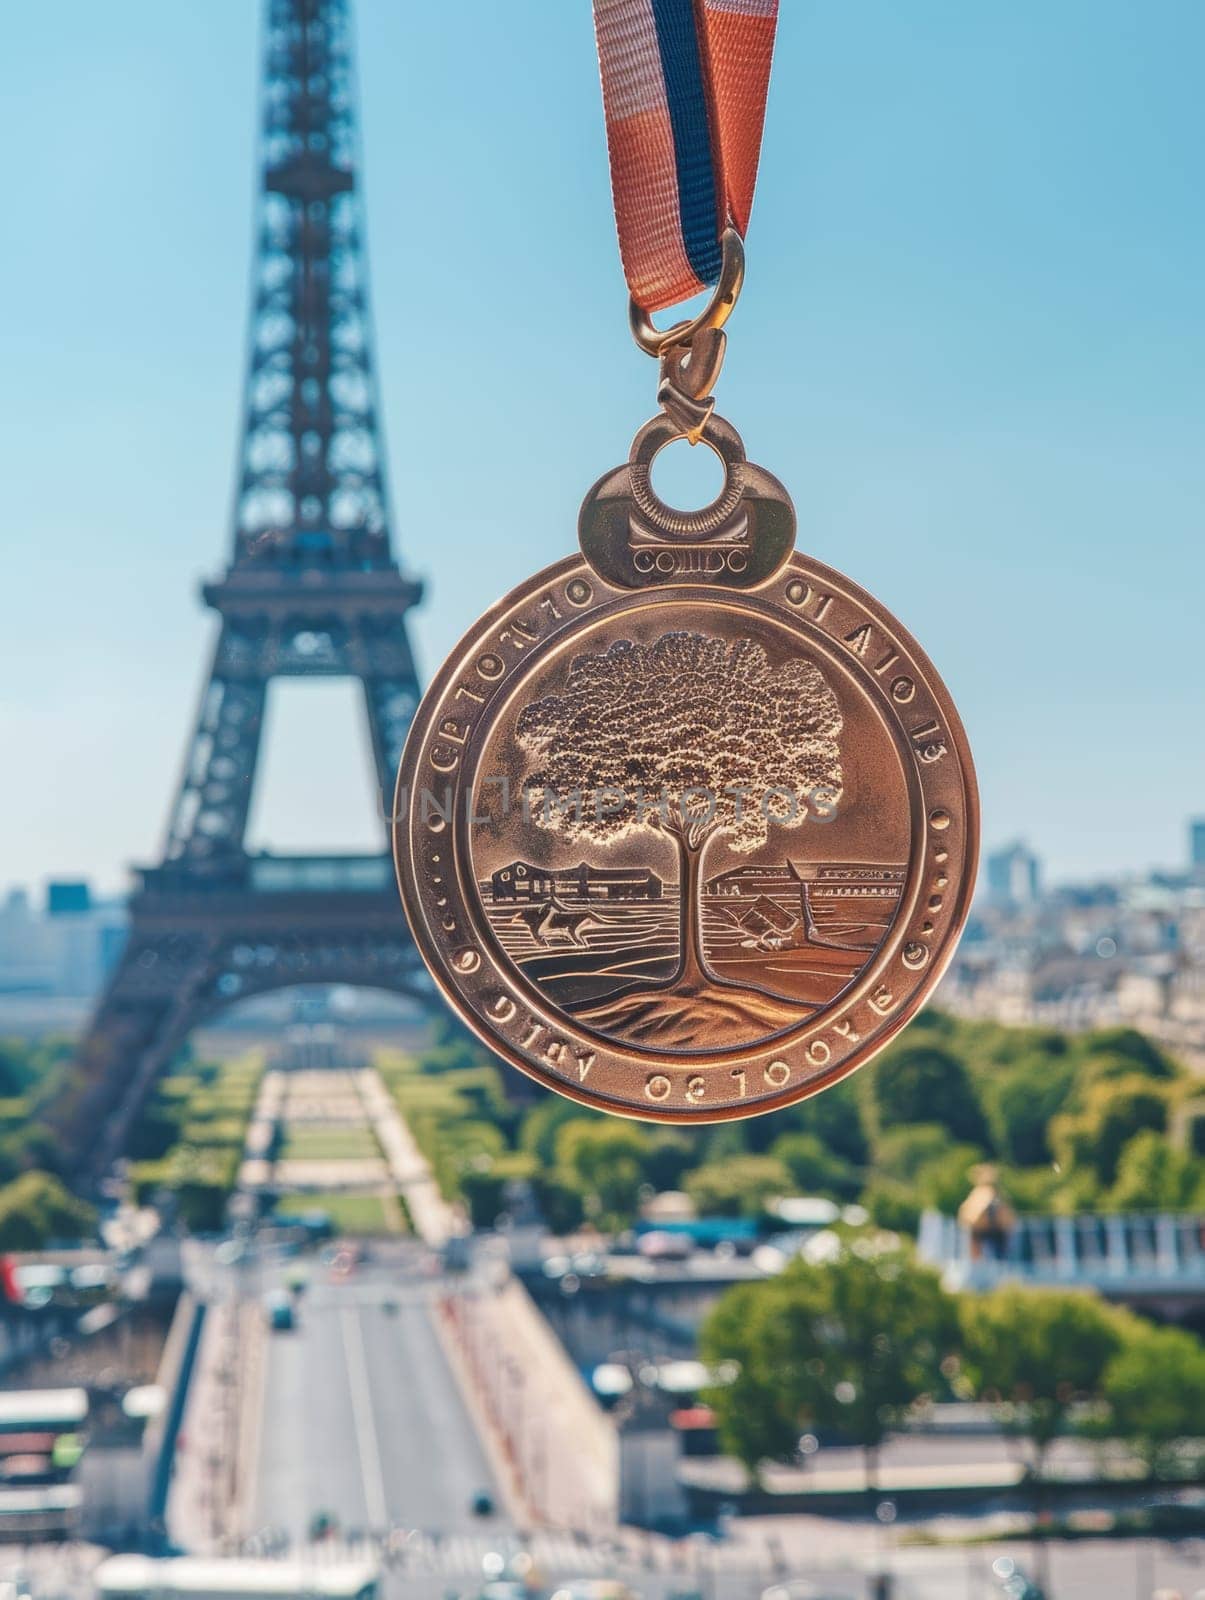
point(1102, 1121)
point(849, 1347)
point(36, 1204)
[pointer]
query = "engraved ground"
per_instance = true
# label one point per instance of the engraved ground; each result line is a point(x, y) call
point(713, 1016)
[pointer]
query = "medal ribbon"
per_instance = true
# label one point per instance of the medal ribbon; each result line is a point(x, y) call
point(684, 93)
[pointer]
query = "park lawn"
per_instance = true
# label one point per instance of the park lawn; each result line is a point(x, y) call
point(361, 1215)
point(326, 1141)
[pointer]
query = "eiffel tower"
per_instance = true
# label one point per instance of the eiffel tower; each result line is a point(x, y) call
point(313, 590)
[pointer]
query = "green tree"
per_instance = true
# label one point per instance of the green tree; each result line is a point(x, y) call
point(36, 1209)
point(1033, 1354)
point(944, 1183)
point(757, 1421)
point(605, 1160)
point(668, 1156)
point(561, 1202)
point(17, 1067)
point(31, 1148)
point(1151, 1174)
point(1113, 1111)
point(156, 1130)
point(484, 1193)
point(1021, 1102)
point(834, 1118)
point(544, 1121)
point(1115, 1045)
point(904, 1153)
point(848, 1346)
point(927, 1083)
point(739, 1187)
point(892, 1205)
point(815, 1169)
point(1155, 1389)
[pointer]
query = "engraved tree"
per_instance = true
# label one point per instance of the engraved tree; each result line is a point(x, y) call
point(690, 736)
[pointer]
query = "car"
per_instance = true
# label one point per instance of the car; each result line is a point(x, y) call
point(345, 1260)
point(661, 1245)
point(1177, 1515)
point(279, 1312)
point(323, 1525)
point(482, 1504)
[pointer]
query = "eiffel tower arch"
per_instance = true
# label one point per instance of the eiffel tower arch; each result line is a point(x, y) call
point(313, 590)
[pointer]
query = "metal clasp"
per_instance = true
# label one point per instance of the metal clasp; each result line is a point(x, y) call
point(688, 376)
point(692, 353)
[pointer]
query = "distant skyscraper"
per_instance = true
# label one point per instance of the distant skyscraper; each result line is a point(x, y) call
point(1014, 876)
point(1196, 846)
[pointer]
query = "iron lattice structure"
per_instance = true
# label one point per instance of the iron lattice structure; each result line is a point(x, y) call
point(313, 589)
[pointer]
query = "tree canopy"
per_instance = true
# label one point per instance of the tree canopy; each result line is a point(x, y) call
point(695, 720)
point(607, 1160)
point(1155, 1389)
point(922, 1082)
point(36, 1209)
point(1035, 1352)
point(738, 1187)
point(846, 1346)
point(1113, 1111)
point(1066, 1130)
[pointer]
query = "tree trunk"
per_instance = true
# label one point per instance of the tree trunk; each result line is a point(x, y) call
point(691, 973)
point(1041, 1545)
point(870, 1468)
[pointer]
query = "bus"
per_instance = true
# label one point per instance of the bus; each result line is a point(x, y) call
point(43, 1410)
point(42, 1434)
point(34, 1513)
point(198, 1578)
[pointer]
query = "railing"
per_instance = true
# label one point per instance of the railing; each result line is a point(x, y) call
point(268, 874)
point(297, 874)
point(1130, 1252)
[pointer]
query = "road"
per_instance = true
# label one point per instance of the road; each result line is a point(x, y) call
point(362, 1416)
point(363, 1419)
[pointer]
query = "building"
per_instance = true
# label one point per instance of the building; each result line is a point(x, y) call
point(1014, 876)
point(26, 963)
point(522, 880)
point(831, 880)
point(749, 883)
point(67, 898)
point(844, 880)
point(1196, 846)
point(66, 947)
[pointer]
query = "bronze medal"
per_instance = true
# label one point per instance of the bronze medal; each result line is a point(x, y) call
point(686, 827)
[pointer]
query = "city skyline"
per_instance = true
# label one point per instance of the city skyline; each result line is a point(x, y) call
point(975, 362)
point(40, 890)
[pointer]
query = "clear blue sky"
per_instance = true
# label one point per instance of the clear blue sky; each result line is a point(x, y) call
point(972, 342)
